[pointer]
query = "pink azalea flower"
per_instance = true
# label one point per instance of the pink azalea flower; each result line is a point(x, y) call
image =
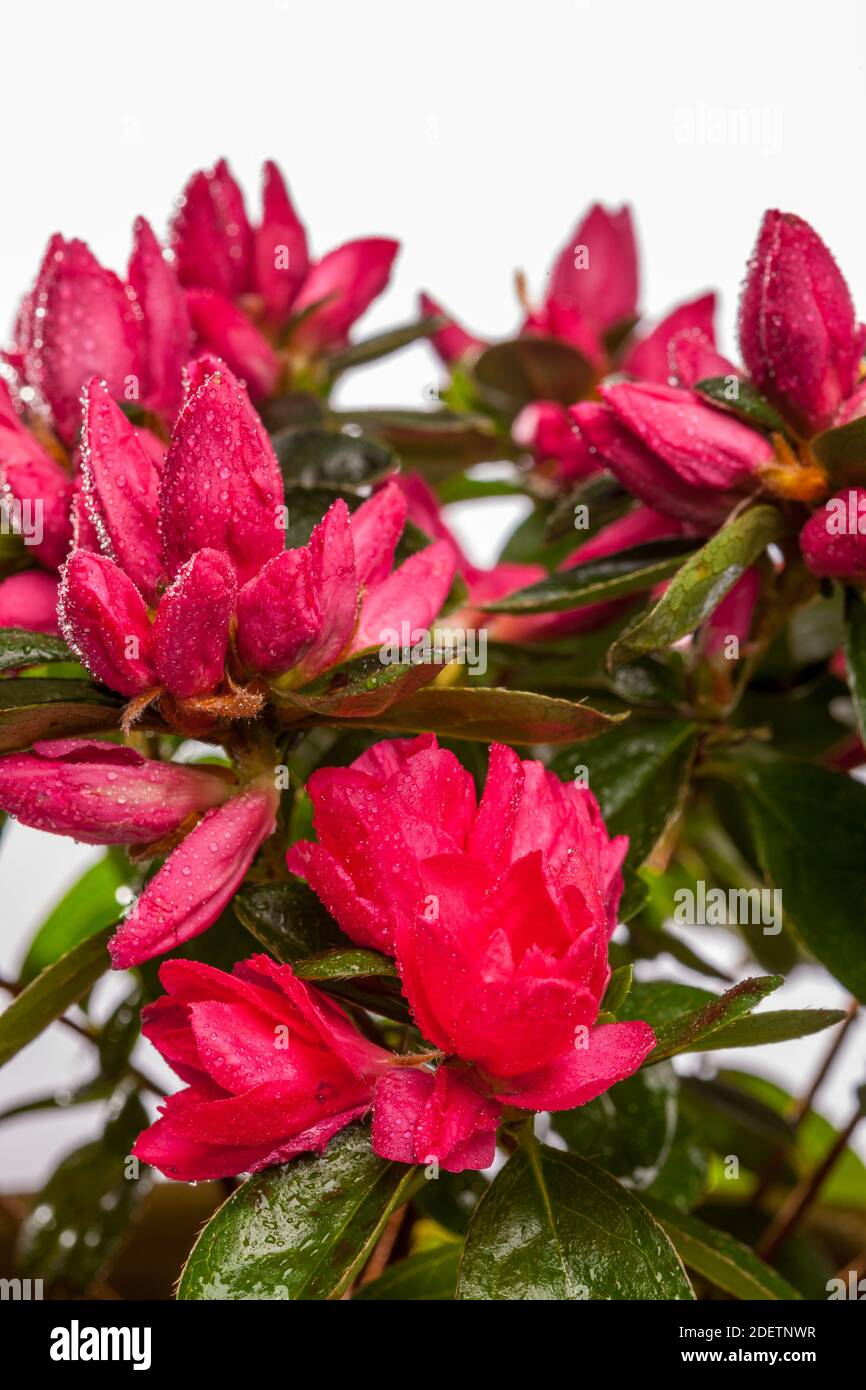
point(832, 541)
point(80, 321)
point(498, 916)
point(34, 481)
point(273, 1069)
point(252, 291)
point(191, 554)
point(799, 336)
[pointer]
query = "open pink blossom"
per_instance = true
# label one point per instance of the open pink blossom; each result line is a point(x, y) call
point(498, 914)
point(273, 1069)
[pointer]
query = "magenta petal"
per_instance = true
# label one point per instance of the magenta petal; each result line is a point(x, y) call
point(280, 257)
point(221, 488)
point(191, 630)
point(29, 601)
point(650, 358)
point(279, 616)
point(87, 326)
point(421, 1118)
point(451, 341)
point(412, 595)
point(596, 274)
point(121, 490)
point(103, 794)
point(335, 582)
point(231, 334)
point(831, 541)
point(211, 235)
point(798, 333)
point(342, 284)
point(167, 330)
point(376, 528)
point(44, 490)
point(104, 620)
point(197, 880)
point(615, 1051)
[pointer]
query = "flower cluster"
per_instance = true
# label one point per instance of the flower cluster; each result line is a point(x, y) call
point(498, 915)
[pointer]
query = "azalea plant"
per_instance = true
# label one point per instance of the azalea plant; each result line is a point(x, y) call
point(400, 852)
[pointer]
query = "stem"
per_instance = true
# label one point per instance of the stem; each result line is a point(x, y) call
point(791, 1213)
point(804, 1105)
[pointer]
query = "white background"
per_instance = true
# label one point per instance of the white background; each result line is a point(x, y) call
point(475, 131)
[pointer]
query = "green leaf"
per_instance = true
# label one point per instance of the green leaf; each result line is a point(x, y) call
point(731, 1122)
point(510, 374)
point(809, 828)
point(32, 708)
point(685, 1031)
point(313, 457)
point(629, 1129)
point(640, 775)
point(605, 500)
point(700, 584)
point(81, 1216)
point(553, 1227)
point(726, 1262)
point(18, 648)
point(301, 1231)
point(855, 654)
point(514, 716)
point(843, 451)
point(777, 1025)
point(362, 688)
point(287, 919)
point(748, 403)
point(52, 992)
point(437, 442)
point(89, 905)
point(381, 345)
point(618, 989)
point(594, 581)
point(429, 1276)
point(349, 964)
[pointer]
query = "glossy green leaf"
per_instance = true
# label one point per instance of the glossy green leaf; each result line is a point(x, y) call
point(686, 1029)
point(809, 829)
point(514, 716)
point(629, 1129)
point(287, 919)
point(349, 964)
point(726, 1262)
point(596, 581)
point(776, 1025)
point(301, 1231)
point(618, 989)
point(553, 1227)
point(701, 584)
point(510, 374)
point(640, 775)
point(32, 707)
point(741, 398)
point(842, 450)
point(381, 345)
point(313, 457)
point(733, 1123)
point(52, 992)
point(438, 443)
point(362, 688)
point(429, 1276)
point(89, 905)
point(81, 1216)
point(855, 654)
point(18, 648)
